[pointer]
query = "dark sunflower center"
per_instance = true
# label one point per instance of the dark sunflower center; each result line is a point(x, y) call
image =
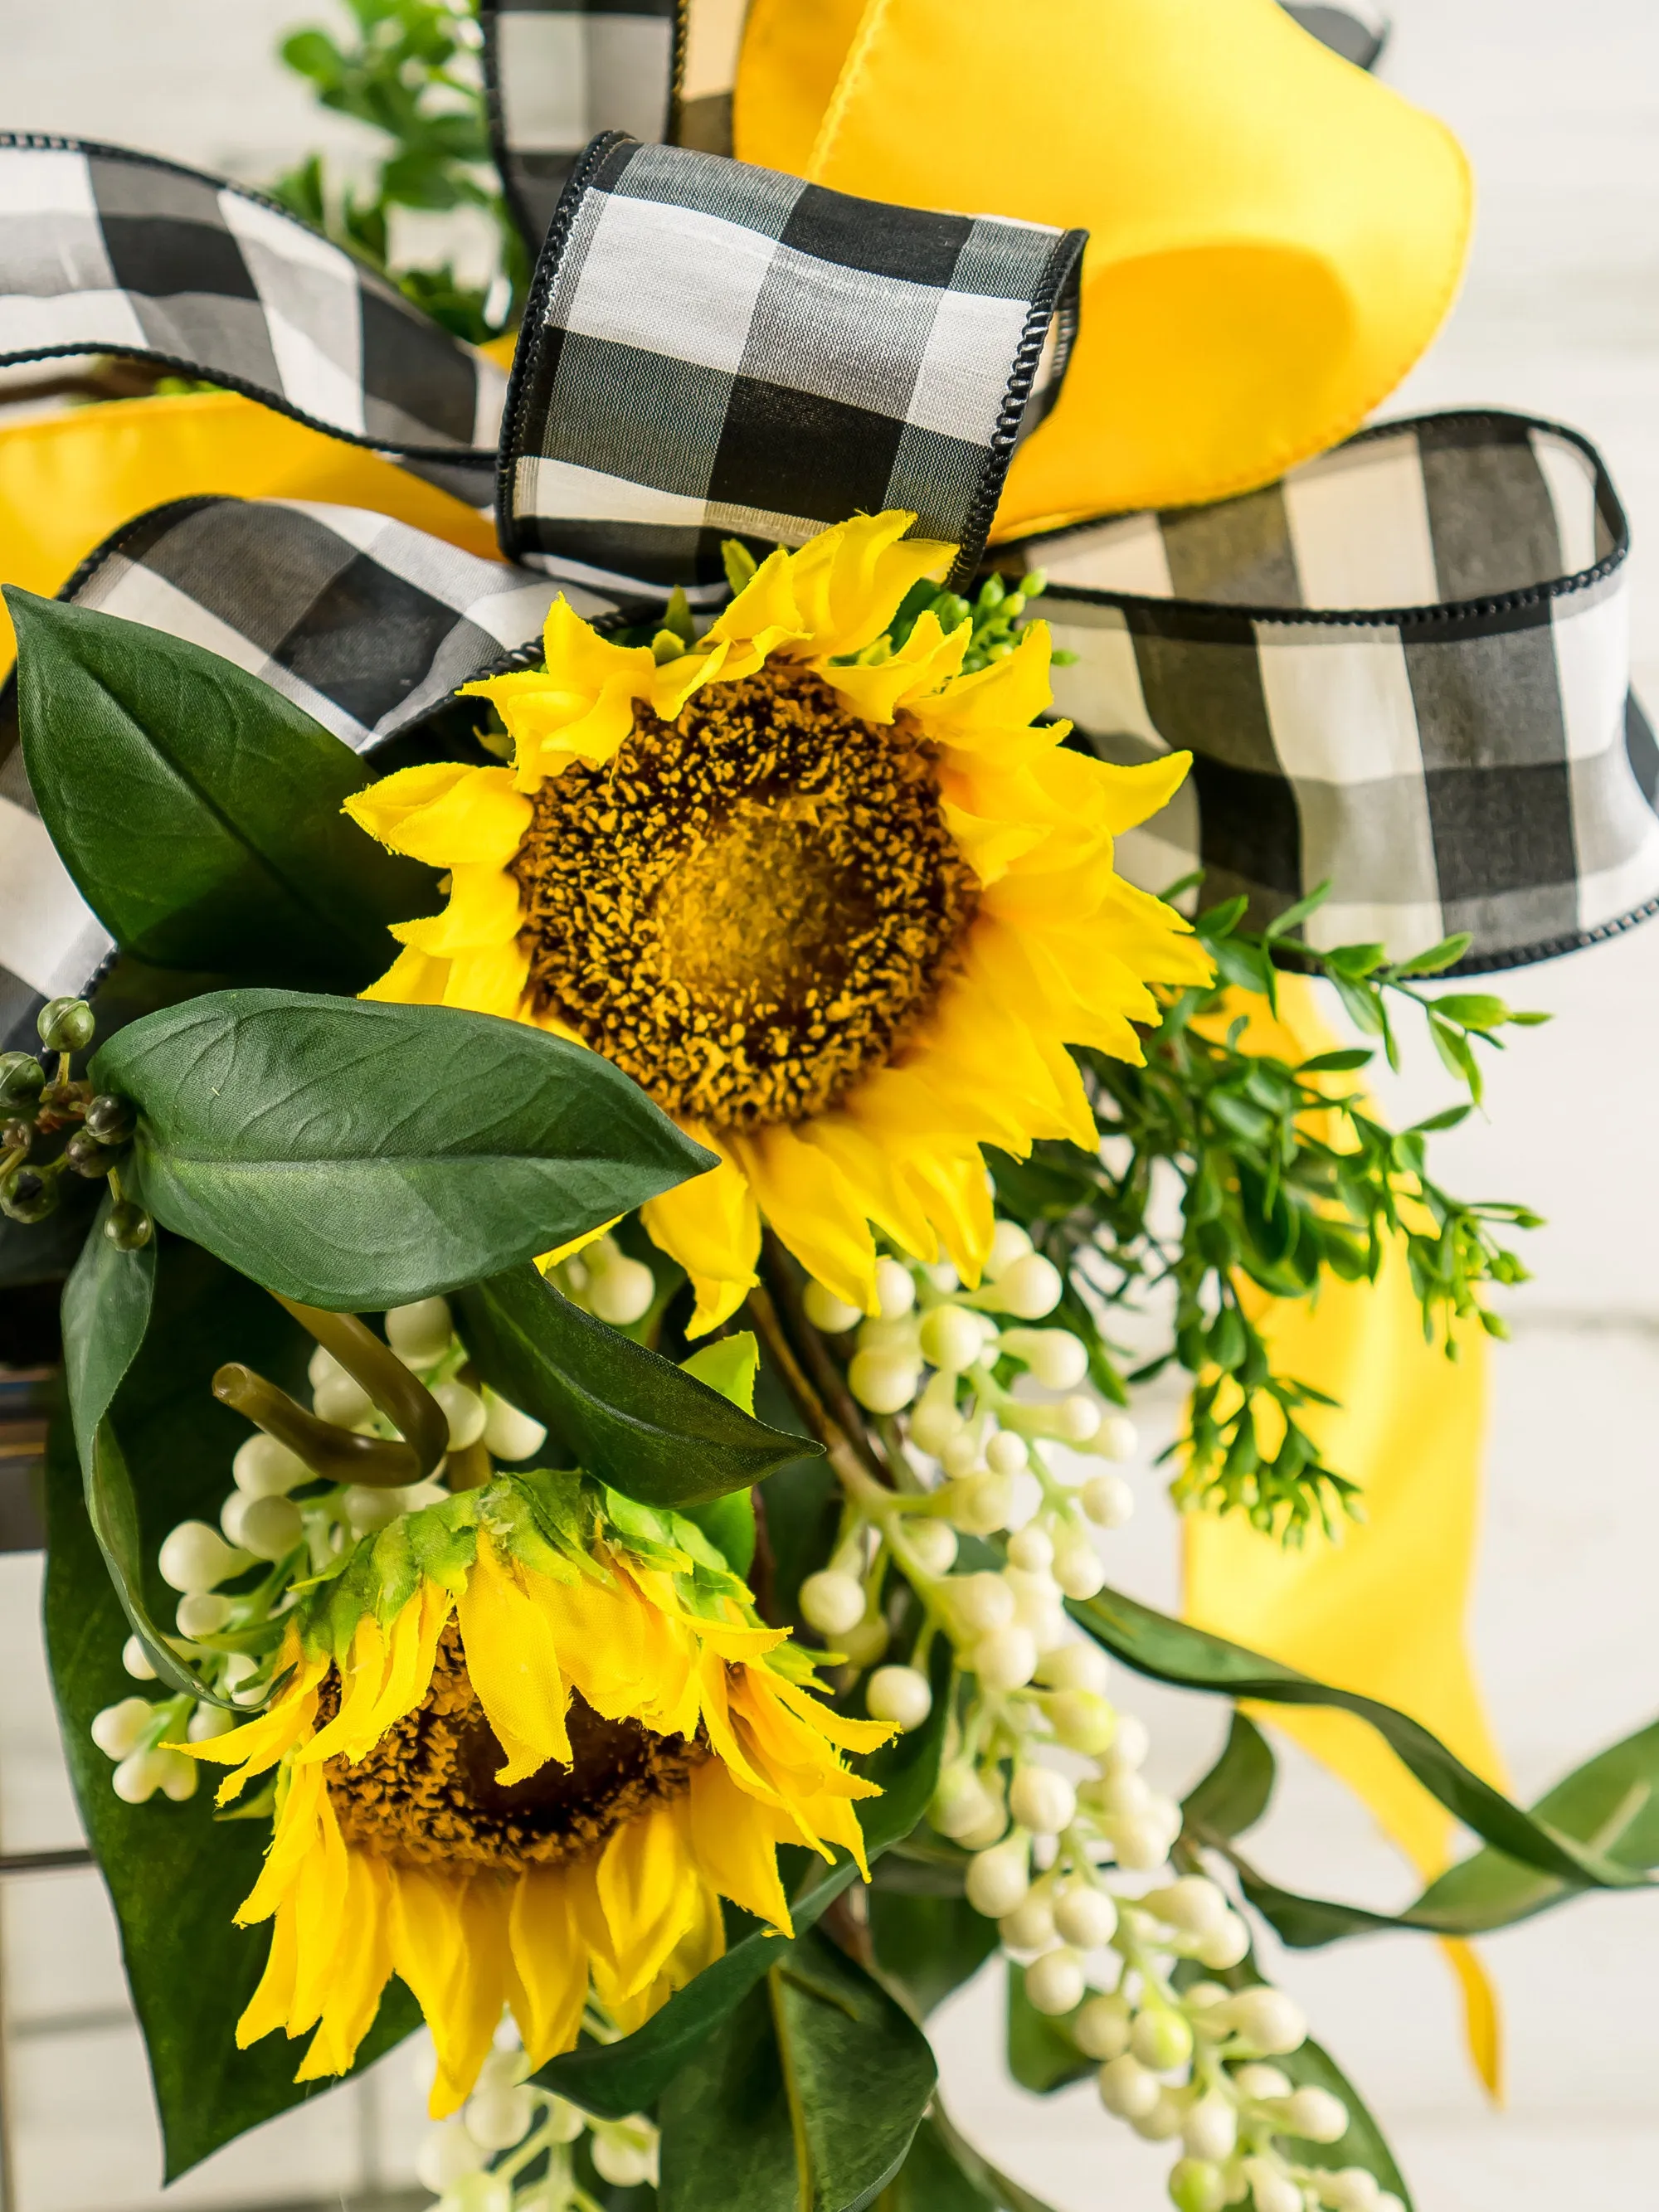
point(750, 909)
point(427, 1793)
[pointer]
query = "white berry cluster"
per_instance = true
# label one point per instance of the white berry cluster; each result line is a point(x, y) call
point(519, 2126)
point(602, 1281)
point(226, 1636)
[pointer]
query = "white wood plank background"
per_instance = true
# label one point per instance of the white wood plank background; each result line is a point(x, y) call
point(1560, 106)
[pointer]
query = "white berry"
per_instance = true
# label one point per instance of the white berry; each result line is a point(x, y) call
point(883, 1382)
point(950, 1340)
point(136, 1660)
point(1267, 2020)
point(1055, 1982)
point(1315, 2113)
point(464, 1412)
point(1126, 2089)
point(1006, 1659)
point(997, 1879)
point(195, 1558)
point(828, 1313)
point(932, 1543)
point(1077, 1565)
point(901, 1694)
point(270, 1527)
point(420, 1334)
point(1210, 2129)
point(1084, 1916)
point(117, 1729)
point(1076, 1665)
point(1008, 1243)
point(1101, 2030)
point(1108, 1500)
point(342, 1400)
point(1042, 1801)
point(1029, 1926)
point(204, 1612)
point(509, 1434)
point(265, 1468)
point(831, 1602)
point(622, 1293)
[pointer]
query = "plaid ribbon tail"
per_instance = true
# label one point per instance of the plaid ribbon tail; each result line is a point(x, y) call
point(103, 250)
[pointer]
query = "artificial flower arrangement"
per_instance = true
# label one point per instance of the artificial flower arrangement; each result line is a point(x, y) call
point(596, 1393)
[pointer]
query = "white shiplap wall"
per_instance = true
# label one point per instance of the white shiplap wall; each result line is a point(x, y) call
point(1560, 107)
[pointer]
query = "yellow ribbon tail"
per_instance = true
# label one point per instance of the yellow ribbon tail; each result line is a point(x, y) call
point(1382, 1611)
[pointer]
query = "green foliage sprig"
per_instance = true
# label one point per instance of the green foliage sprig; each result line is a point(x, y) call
point(412, 74)
point(1224, 1168)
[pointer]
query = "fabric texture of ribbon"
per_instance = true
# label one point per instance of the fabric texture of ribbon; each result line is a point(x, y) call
point(109, 251)
point(712, 349)
point(1401, 671)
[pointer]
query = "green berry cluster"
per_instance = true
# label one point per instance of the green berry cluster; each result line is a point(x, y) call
point(38, 1103)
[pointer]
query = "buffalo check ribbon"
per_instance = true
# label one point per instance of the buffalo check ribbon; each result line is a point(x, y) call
point(1402, 670)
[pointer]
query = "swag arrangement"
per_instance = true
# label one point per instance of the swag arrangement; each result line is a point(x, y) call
point(640, 1108)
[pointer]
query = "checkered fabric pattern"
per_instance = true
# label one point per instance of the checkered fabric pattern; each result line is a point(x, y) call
point(1355, 30)
point(103, 250)
point(366, 623)
point(1405, 668)
point(713, 349)
point(559, 72)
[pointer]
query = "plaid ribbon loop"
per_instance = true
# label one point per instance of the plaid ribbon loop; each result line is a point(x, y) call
point(714, 349)
point(1403, 670)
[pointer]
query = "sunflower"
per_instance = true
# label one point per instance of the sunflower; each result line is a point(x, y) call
point(839, 908)
point(523, 1747)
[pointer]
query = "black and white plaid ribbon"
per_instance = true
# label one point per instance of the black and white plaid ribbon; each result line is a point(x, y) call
point(1403, 669)
point(103, 250)
point(711, 348)
point(366, 623)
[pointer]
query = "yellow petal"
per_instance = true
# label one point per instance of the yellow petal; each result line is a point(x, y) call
point(1008, 694)
point(269, 2007)
point(735, 1841)
point(814, 1210)
point(484, 908)
point(848, 581)
point(295, 1839)
point(446, 819)
point(513, 1661)
point(414, 979)
point(989, 848)
point(875, 1174)
point(711, 1226)
point(464, 2029)
point(426, 1937)
point(362, 1968)
point(491, 980)
point(765, 611)
point(926, 660)
point(647, 1889)
point(550, 1962)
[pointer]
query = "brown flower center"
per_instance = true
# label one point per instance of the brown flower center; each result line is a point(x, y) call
point(749, 908)
point(427, 1793)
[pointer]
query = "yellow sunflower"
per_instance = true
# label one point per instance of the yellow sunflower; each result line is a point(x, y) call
point(538, 1771)
point(839, 909)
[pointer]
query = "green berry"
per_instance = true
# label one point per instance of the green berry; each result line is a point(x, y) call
point(86, 1156)
point(110, 1119)
point(66, 1024)
point(26, 1196)
point(17, 1137)
point(22, 1079)
point(129, 1227)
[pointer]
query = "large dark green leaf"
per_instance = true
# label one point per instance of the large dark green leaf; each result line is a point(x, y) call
point(1235, 1792)
point(628, 1415)
point(175, 1873)
point(806, 2099)
point(1611, 1803)
point(197, 809)
point(1176, 1652)
point(944, 2173)
point(926, 1946)
point(107, 1310)
point(619, 2078)
point(353, 1155)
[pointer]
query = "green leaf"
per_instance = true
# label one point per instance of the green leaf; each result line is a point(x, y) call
point(198, 811)
point(1472, 1010)
point(1337, 1063)
point(1235, 1792)
point(357, 1156)
point(926, 1946)
point(176, 1874)
point(1294, 916)
point(1176, 1652)
point(806, 2100)
point(1446, 954)
point(630, 1417)
point(107, 1310)
point(729, 1365)
point(1041, 2056)
point(1611, 1803)
point(944, 2173)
